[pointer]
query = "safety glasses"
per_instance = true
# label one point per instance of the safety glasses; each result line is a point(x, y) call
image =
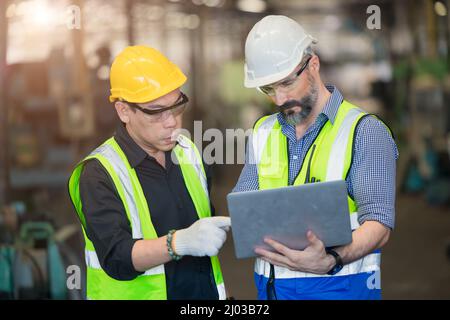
point(160, 113)
point(286, 84)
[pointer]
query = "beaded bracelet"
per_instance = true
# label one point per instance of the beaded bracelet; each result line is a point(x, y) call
point(172, 254)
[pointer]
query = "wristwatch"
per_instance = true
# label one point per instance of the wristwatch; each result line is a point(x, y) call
point(338, 266)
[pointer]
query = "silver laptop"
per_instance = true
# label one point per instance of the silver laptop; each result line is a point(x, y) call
point(286, 214)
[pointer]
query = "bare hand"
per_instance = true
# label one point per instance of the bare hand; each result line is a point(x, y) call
point(312, 259)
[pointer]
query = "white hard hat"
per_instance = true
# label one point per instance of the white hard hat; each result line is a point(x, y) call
point(273, 49)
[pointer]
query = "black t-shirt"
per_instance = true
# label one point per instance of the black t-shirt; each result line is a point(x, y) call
point(170, 207)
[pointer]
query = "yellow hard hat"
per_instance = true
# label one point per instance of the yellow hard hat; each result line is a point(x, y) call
point(141, 74)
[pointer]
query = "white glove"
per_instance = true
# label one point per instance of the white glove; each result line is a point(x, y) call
point(203, 238)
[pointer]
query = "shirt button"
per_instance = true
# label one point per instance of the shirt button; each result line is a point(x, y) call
point(294, 157)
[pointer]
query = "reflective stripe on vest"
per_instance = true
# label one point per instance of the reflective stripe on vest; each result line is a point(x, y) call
point(369, 263)
point(121, 170)
point(92, 262)
point(151, 284)
point(259, 140)
point(194, 159)
point(337, 166)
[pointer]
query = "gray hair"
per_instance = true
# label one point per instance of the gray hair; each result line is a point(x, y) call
point(308, 52)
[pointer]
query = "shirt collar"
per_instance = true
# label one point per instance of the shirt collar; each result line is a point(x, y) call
point(330, 109)
point(332, 106)
point(134, 153)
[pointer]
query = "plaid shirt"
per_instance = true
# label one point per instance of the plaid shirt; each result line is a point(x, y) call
point(371, 179)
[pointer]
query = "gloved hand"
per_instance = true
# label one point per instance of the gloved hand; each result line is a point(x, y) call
point(203, 238)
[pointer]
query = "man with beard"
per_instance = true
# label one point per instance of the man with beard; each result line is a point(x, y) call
point(316, 136)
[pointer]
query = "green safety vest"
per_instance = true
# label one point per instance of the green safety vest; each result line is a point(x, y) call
point(328, 159)
point(151, 284)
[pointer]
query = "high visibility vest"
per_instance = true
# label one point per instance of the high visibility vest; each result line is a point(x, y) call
point(151, 284)
point(329, 158)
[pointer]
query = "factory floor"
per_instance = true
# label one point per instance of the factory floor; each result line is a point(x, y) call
point(414, 262)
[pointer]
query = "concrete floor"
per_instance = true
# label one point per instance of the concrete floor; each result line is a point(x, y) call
point(414, 262)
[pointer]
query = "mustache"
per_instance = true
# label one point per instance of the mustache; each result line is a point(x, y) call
point(288, 105)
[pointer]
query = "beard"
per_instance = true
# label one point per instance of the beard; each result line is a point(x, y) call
point(306, 104)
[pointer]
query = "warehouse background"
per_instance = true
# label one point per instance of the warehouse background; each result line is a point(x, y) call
point(54, 69)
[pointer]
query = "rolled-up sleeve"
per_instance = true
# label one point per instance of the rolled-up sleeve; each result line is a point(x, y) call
point(106, 222)
point(371, 179)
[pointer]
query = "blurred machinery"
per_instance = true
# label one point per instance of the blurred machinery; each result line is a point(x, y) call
point(48, 123)
point(54, 106)
point(34, 257)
